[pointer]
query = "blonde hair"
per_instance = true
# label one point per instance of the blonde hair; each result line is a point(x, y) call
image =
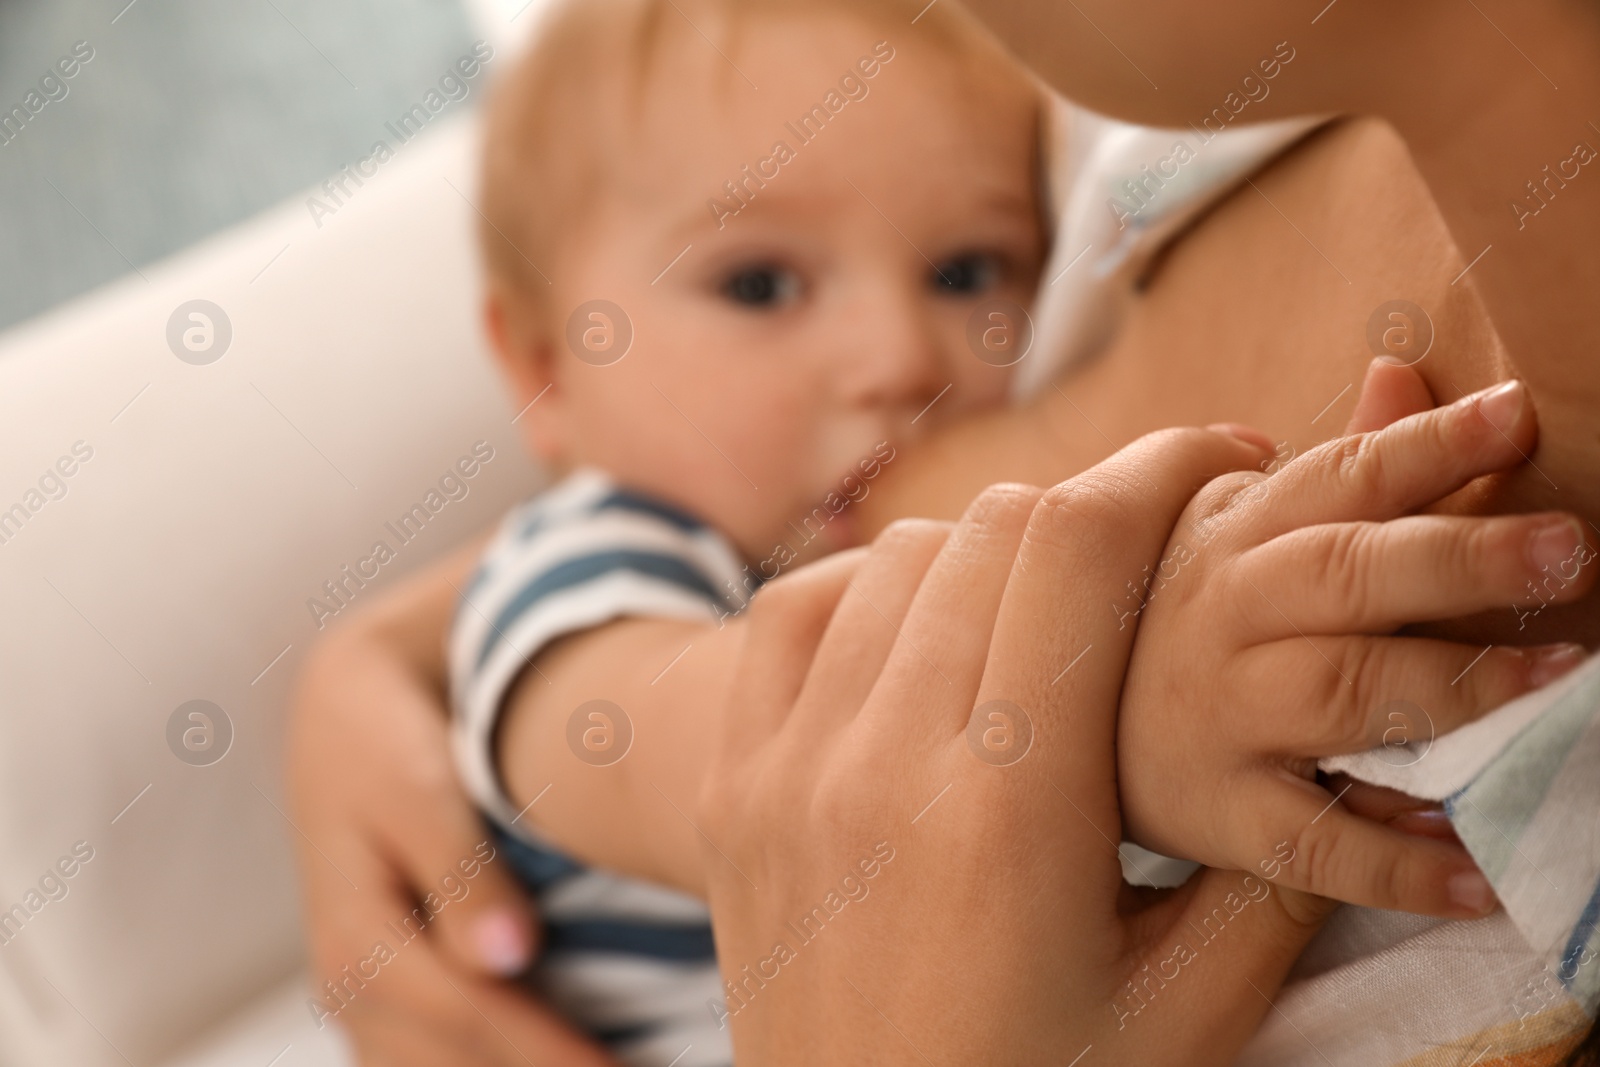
point(564, 114)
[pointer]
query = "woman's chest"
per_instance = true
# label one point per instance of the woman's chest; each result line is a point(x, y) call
point(1269, 310)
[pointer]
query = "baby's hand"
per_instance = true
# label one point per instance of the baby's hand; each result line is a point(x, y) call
point(1266, 641)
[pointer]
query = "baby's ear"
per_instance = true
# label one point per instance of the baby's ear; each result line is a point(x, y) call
point(1389, 393)
point(527, 364)
point(513, 333)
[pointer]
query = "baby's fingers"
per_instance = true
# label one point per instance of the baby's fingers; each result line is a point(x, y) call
point(1399, 693)
point(1392, 808)
point(1333, 853)
point(1402, 468)
point(1389, 393)
point(1369, 577)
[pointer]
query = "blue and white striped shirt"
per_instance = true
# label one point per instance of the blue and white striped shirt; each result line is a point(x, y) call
point(631, 963)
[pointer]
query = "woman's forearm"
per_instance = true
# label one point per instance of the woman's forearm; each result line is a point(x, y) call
point(411, 621)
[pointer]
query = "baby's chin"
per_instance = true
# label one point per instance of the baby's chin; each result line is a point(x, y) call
point(843, 532)
point(806, 538)
point(829, 530)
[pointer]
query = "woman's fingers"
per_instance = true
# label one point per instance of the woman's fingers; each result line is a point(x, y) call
point(787, 621)
point(408, 985)
point(1398, 469)
point(1067, 597)
point(406, 1044)
point(406, 988)
point(345, 919)
point(1370, 577)
point(416, 1002)
point(1397, 693)
point(436, 841)
point(403, 820)
point(867, 622)
point(484, 922)
point(938, 659)
point(522, 1030)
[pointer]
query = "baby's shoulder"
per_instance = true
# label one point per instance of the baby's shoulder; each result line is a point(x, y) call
point(590, 503)
point(588, 526)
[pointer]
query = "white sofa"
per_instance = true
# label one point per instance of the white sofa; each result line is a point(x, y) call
point(215, 501)
point(175, 564)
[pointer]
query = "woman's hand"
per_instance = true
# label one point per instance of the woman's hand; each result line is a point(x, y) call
point(390, 846)
point(913, 819)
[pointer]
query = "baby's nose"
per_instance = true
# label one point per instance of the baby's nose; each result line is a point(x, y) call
point(892, 358)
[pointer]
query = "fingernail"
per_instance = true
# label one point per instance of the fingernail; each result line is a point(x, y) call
point(1553, 662)
point(1502, 406)
point(1471, 890)
point(1554, 545)
point(1248, 434)
point(501, 942)
point(1426, 822)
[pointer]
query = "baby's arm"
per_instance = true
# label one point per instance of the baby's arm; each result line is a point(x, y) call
point(669, 678)
point(1268, 639)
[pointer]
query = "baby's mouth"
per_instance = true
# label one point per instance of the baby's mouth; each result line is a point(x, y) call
point(822, 531)
point(845, 529)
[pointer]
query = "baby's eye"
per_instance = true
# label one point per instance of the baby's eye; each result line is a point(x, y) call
point(764, 286)
point(971, 273)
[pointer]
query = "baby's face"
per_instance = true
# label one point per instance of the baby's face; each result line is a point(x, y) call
point(781, 338)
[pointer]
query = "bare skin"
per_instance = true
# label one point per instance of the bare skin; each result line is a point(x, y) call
point(1260, 314)
point(1190, 353)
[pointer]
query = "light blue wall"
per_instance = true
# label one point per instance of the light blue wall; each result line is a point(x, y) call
point(192, 115)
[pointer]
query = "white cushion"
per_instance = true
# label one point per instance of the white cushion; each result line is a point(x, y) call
point(178, 566)
point(275, 1030)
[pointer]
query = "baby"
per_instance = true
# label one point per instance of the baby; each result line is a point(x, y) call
point(739, 251)
point(736, 249)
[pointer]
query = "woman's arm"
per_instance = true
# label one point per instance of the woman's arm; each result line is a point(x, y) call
point(383, 823)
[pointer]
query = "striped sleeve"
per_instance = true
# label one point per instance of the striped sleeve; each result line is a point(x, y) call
point(580, 555)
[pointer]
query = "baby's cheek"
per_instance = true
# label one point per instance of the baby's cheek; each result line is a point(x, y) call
point(779, 429)
point(760, 457)
point(978, 386)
